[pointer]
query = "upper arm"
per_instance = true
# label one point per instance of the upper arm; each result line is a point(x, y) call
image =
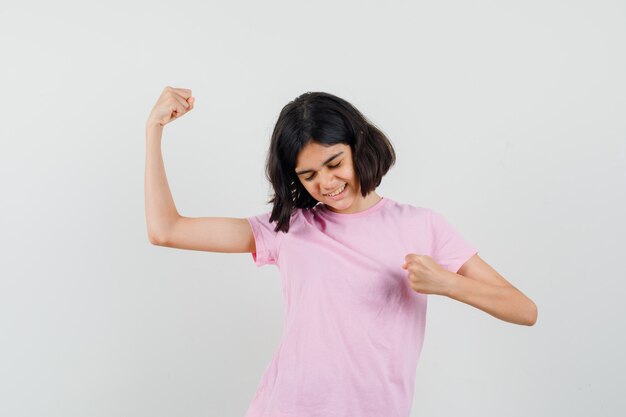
point(478, 269)
point(211, 234)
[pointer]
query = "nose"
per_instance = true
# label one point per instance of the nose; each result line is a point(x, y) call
point(328, 182)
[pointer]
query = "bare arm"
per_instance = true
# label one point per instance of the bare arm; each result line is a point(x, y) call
point(166, 227)
point(161, 213)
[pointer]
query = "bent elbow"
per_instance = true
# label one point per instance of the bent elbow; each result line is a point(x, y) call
point(156, 239)
point(533, 315)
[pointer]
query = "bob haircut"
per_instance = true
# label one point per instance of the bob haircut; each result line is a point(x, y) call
point(328, 120)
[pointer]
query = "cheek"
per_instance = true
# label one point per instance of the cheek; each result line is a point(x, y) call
point(347, 174)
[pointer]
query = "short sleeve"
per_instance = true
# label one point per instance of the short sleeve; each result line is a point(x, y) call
point(450, 249)
point(265, 238)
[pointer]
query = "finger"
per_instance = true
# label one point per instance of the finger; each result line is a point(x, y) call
point(176, 109)
point(182, 102)
point(184, 92)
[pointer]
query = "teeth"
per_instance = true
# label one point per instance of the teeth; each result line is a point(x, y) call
point(337, 192)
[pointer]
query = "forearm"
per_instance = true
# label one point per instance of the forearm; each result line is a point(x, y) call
point(160, 208)
point(503, 302)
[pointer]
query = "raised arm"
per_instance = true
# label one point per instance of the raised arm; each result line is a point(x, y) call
point(166, 227)
point(161, 213)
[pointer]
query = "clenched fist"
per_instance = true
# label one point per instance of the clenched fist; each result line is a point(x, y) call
point(425, 275)
point(173, 103)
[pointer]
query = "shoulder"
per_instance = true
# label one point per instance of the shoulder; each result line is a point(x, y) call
point(408, 210)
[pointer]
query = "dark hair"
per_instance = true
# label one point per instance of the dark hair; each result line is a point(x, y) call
point(325, 119)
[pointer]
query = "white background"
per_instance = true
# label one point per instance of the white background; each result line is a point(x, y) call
point(507, 117)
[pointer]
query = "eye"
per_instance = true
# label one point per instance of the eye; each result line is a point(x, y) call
point(329, 166)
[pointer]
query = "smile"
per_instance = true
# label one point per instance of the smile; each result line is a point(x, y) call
point(337, 191)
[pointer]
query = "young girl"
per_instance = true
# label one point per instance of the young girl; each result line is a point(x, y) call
point(356, 268)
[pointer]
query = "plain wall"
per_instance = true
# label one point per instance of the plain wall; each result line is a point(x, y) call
point(507, 117)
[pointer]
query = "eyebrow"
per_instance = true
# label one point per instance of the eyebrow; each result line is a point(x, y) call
point(325, 163)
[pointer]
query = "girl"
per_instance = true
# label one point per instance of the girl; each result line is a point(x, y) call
point(356, 268)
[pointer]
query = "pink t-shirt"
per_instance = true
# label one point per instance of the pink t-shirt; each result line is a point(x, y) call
point(353, 327)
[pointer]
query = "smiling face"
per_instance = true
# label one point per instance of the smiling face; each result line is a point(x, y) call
point(323, 170)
